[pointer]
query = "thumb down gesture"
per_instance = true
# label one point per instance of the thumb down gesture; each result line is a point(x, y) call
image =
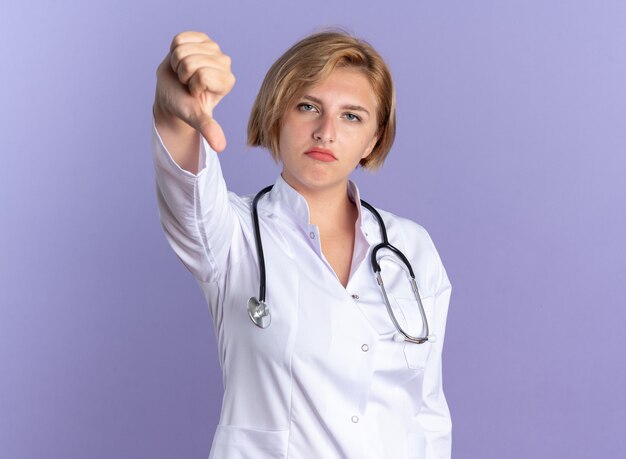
point(192, 79)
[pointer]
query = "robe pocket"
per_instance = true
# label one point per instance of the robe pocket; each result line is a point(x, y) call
point(411, 321)
point(246, 443)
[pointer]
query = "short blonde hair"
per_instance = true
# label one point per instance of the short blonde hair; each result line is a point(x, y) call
point(309, 62)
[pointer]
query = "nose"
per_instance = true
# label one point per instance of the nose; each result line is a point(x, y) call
point(325, 130)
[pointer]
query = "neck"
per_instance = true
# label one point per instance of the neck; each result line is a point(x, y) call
point(331, 209)
point(332, 213)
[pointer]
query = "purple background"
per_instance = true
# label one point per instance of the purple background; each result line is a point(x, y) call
point(511, 151)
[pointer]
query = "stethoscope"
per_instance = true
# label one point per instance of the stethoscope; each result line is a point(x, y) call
point(259, 311)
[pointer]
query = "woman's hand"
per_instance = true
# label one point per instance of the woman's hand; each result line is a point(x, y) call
point(192, 79)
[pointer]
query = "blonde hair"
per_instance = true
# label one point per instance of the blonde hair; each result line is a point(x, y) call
point(309, 62)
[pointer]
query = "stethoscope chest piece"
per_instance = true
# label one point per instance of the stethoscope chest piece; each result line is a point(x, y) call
point(259, 313)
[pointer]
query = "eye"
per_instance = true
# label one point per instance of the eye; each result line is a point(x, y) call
point(305, 107)
point(352, 117)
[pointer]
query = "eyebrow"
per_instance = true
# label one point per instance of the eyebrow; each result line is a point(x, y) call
point(356, 108)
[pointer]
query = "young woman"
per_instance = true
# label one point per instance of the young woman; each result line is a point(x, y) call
point(329, 347)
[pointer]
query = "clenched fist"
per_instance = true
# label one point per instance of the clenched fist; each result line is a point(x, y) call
point(192, 79)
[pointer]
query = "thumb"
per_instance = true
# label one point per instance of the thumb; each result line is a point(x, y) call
point(212, 132)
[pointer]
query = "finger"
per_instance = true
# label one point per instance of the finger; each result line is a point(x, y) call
point(213, 133)
point(185, 50)
point(217, 65)
point(189, 37)
point(214, 81)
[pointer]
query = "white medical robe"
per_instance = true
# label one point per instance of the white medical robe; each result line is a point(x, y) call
point(326, 379)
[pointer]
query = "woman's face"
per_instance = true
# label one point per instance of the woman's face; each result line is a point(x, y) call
point(327, 130)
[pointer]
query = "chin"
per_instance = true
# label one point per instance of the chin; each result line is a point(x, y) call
point(313, 179)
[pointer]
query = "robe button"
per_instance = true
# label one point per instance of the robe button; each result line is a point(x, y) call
point(312, 235)
point(355, 419)
point(355, 297)
point(365, 348)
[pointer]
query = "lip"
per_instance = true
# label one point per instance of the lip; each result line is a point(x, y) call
point(321, 154)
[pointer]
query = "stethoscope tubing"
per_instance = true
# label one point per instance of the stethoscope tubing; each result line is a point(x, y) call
point(385, 243)
point(257, 240)
point(259, 312)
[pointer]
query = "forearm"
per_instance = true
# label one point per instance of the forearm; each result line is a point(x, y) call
point(195, 211)
point(180, 139)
